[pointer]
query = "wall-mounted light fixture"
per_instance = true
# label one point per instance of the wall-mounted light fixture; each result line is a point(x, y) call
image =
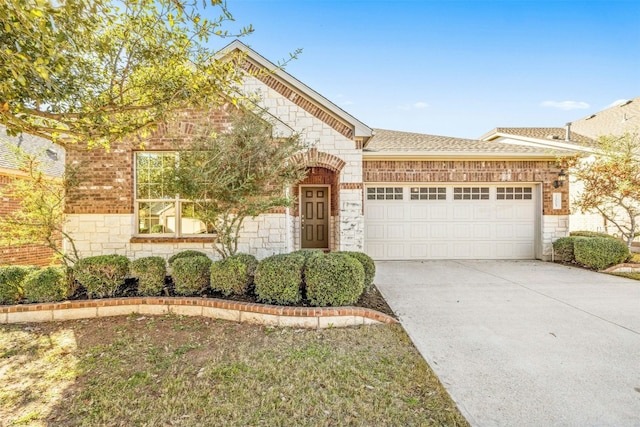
point(561, 179)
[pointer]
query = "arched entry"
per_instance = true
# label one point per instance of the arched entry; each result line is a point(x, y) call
point(318, 197)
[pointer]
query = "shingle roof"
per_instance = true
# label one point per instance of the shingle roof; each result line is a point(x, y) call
point(614, 120)
point(409, 142)
point(551, 134)
point(52, 155)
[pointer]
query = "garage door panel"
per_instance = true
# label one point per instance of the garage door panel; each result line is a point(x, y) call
point(395, 212)
point(395, 231)
point(419, 231)
point(426, 227)
point(439, 231)
point(439, 251)
point(375, 212)
point(395, 251)
point(438, 211)
point(418, 250)
point(462, 212)
point(482, 212)
point(375, 232)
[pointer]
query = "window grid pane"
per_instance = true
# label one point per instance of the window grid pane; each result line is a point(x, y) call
point(471, 193)
point(514, 193)
point(384, 193)
point(428, 193)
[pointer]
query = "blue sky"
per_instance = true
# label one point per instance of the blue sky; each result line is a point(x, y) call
point(455, 68)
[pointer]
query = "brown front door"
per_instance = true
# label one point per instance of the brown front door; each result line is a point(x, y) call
point(314, 217)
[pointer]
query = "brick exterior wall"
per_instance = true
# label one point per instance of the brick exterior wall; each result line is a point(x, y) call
point(478, 171)
point(107, 175)
point(25, 254)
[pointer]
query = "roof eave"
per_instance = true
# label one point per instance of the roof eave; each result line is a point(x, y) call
point(456, 155)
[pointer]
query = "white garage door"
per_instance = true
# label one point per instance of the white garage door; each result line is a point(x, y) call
point(450, 222)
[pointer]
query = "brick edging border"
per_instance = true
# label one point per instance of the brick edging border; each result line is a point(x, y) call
point(625, 267)
point(268, 315)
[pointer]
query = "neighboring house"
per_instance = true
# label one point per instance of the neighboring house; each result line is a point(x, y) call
point(581, 136)
point(53, 161)
point(395, 195)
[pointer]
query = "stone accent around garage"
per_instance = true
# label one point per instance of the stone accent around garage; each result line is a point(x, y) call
point(553, 227)
point(268, 315)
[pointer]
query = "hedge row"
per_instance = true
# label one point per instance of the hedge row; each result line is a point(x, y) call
point(591, 250)
point(334, 279)
point(34, 284)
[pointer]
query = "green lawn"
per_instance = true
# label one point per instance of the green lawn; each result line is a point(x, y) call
point(148, 371)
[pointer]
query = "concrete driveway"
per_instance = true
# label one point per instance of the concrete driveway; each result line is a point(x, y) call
point(524, 343)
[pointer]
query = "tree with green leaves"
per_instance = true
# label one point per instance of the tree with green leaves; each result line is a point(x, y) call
point(94, 71)
point(611, 180)
point(237, 174)
point(39, 217)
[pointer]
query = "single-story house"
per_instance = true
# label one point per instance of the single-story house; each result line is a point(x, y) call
point(580, 136)
point(394, 195)
point(52, 159)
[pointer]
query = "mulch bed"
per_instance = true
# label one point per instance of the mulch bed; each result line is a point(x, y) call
point(372, 299)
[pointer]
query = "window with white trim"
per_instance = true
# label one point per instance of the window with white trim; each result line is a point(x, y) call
point(384, 193)
point(514, 193)
point(159, 211)
point(428, 193)
point(471, 193)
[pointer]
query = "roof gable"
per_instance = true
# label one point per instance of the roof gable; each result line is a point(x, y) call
point(299, 93)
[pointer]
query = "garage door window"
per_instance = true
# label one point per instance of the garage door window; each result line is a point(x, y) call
point(428, 193)
point(514, 193)
point(471, 193)
point(384, 193)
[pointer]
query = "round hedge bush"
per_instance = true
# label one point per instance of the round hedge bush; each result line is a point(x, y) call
point(190, 274)
point(600, 252)
point(46, 285)
point(150, 272)
point(102, 275)
point(368, 265)
point(278, 279)
point(334, 279)
point(233, 275)
point(563, 249)
point(185, 254)
point(11, 282)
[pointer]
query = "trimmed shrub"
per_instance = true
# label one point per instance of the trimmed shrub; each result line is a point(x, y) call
point(278, 279)
point(368, 265)
point(46, 285)
point(600, 252)
point(185, 254)
point(334, 279)
point(563, 249)
point(150, 272)
point(591, 234)
point(102, 275)
point(308, 253)
point(234, 274)
point(11, 282)
point(191, 274)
